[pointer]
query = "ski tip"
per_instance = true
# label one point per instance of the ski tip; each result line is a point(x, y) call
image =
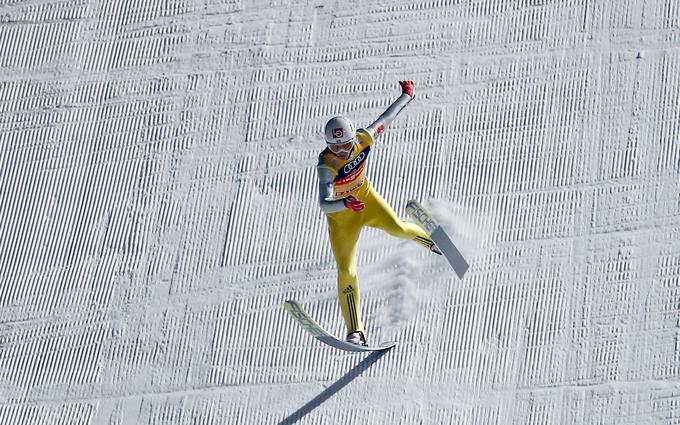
point(290, 303)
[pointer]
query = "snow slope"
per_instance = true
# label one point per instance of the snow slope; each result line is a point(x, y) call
point(158, 205)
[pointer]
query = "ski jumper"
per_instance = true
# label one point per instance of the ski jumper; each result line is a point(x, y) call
point(340, 179)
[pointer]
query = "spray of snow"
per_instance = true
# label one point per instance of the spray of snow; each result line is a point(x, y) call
point(471, 231)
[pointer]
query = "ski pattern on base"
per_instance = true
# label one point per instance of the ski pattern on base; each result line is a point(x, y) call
point(444, 243)
point(315, 330)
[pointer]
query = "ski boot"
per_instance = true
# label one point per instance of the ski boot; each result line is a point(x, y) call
point(356, 338)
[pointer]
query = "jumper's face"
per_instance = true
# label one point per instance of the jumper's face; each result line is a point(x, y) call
point(342, 150)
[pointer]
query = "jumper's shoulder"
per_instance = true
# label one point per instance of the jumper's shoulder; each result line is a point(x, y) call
point(364, 137)
point(328, 161)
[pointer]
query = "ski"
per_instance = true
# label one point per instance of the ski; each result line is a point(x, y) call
point(430, 225)
point(314, 329)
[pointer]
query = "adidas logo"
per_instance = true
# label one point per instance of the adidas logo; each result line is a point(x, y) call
point(428, 243)
point(349, 290)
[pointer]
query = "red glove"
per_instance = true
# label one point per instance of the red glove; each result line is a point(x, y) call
point(408, 87)
point(354, 204)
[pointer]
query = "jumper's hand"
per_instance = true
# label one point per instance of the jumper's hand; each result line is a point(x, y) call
point(408, 87)
point(354, 204)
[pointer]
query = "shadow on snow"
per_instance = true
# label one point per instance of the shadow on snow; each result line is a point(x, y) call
point(333, 389)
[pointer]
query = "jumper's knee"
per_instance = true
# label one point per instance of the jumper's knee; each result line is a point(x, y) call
point(398, 228)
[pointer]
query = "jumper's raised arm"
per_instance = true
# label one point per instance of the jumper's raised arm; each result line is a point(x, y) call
point(407, 94)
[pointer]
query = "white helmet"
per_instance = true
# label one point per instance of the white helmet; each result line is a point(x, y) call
point(339, 130)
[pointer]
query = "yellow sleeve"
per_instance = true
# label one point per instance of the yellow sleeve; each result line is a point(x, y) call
point(364, 138)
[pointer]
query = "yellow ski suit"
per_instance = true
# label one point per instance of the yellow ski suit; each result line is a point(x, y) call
point(339, 179)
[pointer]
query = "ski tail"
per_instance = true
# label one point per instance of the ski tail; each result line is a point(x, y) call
point(439, 236)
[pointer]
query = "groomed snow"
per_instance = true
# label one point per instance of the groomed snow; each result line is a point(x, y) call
point(158, 205)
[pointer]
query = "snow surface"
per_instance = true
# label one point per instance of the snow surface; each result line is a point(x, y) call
point(158, 205)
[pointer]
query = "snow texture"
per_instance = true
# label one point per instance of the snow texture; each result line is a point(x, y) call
point(158, 205)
